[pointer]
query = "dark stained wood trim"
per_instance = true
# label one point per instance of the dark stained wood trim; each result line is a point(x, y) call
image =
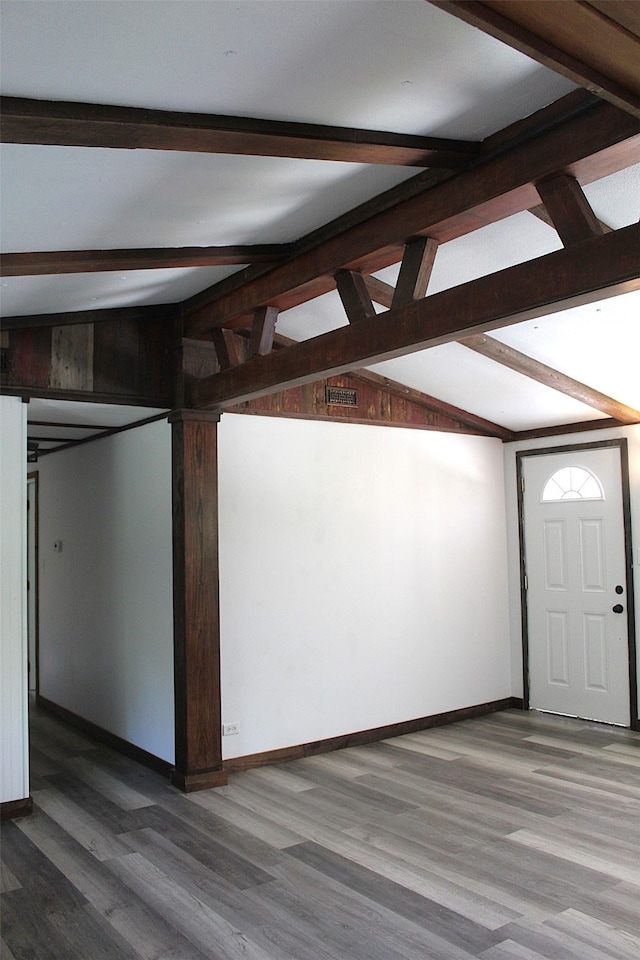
point(415, 271)
point(163, 311)
point(540, 212)
point(376, 405)
point(196, 607)
point(34, 476)
point(230, 349)
point(498, 24)
point(589, 146)
point(568, 209)
point(263, 331)
point(582, 426)
point(509, 357)
point(101, 435)
point(38, 263)
point(317, 747)
point(403, 393)
point(105, 736)
point(475, 423)
point(97, 125)
point(380, 292)
point(567, 108)
point(12, 809)
point(354, 295)
point(596, 268)
point(85, 396)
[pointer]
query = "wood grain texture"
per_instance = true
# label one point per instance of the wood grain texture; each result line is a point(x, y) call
point(589, 146)
point(512, 836)
point(195, 599)
point(579, 274)
point(97, 125)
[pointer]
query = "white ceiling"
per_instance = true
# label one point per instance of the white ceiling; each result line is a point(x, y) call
point(397, 65)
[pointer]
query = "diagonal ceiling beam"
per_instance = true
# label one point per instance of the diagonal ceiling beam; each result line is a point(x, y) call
point(596, 268)
point(540, 212)
point(590, 145)
point(507, 356)
point(403, 392)
point(581, 41)
point(127, 128)
point(41, 263)
point(569, 209)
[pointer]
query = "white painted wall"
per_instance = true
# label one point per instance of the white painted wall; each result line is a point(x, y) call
point(593, 436)
point(106, 603)
point(14, 744)
point(363, 577)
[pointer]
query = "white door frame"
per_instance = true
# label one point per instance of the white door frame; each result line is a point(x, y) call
point(621, 444)
point(33, 599)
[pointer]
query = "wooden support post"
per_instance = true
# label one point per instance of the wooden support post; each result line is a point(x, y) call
point(569, 209)
point(354, 295)
point(198, 763)
point(415, 271)
point(262, 332)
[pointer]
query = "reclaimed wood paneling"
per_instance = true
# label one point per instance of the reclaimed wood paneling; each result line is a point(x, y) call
point(125, 360)
point(72, 357)
point(375, 405)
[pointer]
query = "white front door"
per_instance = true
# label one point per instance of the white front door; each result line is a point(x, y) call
point(576, 584)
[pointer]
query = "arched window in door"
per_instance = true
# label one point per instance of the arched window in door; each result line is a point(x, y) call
point(572, 483)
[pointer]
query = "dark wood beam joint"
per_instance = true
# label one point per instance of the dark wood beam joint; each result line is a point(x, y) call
point(263, 331)
point(600, 267)
point(415, 271)
point(230, 349)
point(568, 208)
point(355, 297)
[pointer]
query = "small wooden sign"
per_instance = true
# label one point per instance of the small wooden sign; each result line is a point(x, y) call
point(341, 396)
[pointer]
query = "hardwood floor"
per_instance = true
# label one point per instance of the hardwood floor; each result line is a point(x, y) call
point(511, 837)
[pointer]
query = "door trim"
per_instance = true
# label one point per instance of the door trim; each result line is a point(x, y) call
point(35, 586)
point(622, 446)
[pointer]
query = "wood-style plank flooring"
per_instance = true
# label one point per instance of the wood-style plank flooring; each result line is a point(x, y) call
point(511, 837)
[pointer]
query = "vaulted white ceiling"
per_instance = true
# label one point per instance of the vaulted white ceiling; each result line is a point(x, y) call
point(394, 65)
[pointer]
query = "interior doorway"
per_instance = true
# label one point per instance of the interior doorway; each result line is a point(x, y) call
point(577, 582)
point(32, 580)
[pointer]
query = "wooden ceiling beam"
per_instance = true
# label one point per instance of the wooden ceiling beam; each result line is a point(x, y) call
point(599, 267)
point(577, 40)
point(403, 392)
point(509, 357)
point(590, 145)
point(352, 289)
point(569, 209)
point(163, 311)
point(415, 271)
point(41, 263)
point(540, 212)
point(127, 128)
point(262, 332)
point(230, 349)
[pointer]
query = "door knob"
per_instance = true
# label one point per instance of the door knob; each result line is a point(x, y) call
point(618, 608)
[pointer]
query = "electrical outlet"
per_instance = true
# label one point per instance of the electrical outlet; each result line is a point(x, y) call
point(228, 729)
